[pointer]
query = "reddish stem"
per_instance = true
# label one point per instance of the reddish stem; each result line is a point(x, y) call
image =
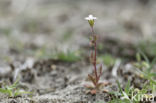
point(94, 63)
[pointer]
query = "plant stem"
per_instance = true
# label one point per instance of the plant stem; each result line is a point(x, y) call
point(94, 63)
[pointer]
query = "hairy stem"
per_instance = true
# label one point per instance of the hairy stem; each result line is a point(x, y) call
point(94, 63)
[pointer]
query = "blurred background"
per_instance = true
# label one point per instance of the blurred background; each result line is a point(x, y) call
point(40, 28)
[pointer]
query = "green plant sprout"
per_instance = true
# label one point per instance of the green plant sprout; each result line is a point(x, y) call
point(145, 69)
point(69, 56)
point(97, 72)
point(12, 90)
point(148, 47)
point(122, 93)
point(107, 59)
point(130, 94)
point(135, 95)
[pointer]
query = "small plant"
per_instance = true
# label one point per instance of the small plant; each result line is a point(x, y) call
point(135, 95)
point(145, 67)
point(122, 95)
point(131, 95)
point(69, 56)
point(107, 59)
point(66, 56)
point(97, 72)
point(12, 90)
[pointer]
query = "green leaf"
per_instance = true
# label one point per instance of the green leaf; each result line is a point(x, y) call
point(3, 90)
point(144, 56)
point(138, 57)
point(153, 74)
point(152, 64)
point(107, 59)
point(69, 56)
point(14, 85)
point(119, 86)
point(145, 64)
point(17, 93)
point(127, 88)
point(119, 101)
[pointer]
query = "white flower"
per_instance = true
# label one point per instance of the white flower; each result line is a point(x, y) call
point(91, 17)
